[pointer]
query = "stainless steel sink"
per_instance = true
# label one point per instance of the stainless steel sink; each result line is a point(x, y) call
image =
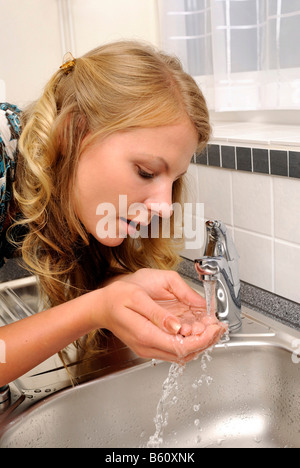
point(244, 393)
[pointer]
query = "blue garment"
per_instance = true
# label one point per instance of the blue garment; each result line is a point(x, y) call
point(10, 129)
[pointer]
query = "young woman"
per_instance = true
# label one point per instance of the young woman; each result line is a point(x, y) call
point(113, 130)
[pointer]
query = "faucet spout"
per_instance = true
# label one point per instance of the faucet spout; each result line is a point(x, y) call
point(4, 398)
point(220, 264)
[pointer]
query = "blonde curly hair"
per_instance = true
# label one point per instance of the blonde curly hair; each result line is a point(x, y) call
point(118, 86)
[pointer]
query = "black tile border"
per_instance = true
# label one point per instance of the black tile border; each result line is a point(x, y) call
point(279, 162)
point(260, 160)
point(256, 160)
point(243, 159)
point(294, 164)
point(213, 155)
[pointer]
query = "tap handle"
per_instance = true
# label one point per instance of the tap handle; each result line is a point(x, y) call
point(232, 252)
point(219, 241)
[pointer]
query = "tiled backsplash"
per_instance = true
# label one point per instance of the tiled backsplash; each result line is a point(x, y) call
point(256, 192)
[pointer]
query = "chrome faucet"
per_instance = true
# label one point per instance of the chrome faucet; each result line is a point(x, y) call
point(4, 398)
point(220, 264)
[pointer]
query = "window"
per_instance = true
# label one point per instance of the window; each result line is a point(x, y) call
point(243, 53)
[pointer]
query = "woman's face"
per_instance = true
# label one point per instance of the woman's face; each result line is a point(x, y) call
point(127, 178)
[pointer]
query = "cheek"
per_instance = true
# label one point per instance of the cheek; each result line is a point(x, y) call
point(90, 180)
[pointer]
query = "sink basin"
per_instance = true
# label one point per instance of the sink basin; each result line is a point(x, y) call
point(244, 393)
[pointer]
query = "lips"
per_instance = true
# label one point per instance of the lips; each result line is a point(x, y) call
point(134, 223)
point(132, 226)
point(130, 221)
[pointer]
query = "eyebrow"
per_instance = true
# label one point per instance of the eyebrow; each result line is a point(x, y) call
point(164, 162)
point(159, 159)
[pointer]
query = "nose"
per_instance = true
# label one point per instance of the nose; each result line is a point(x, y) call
point(160, 201)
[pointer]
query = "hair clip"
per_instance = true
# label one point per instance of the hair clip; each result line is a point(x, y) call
point(68, 63)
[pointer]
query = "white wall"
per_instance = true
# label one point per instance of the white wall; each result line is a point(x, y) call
point(30, 47)
point(33, 34)
point(113, 20)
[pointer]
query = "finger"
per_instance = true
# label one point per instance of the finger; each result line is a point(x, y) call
point(209, 320)
point(154, 353)
point(162, 318)
point(195, 343)
point(184, 293)
point(151, 341)
point(186, 329)
point(198, 328)
point(169, 357)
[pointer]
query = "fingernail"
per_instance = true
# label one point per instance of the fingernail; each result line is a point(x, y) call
point(172, 325)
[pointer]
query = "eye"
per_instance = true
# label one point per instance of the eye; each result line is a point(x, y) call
point(145, 174)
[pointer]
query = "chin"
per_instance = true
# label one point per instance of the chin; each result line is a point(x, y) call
point(111, 242)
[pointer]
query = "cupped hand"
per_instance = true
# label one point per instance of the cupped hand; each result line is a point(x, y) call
point(136, 315)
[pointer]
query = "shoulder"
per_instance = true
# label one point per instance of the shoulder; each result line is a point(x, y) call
point(10, 128)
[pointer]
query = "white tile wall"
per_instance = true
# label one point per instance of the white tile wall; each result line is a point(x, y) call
point(215, 191)
point(252, 202)
point(287, 275)
point(287, 212)
point(263, 214)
